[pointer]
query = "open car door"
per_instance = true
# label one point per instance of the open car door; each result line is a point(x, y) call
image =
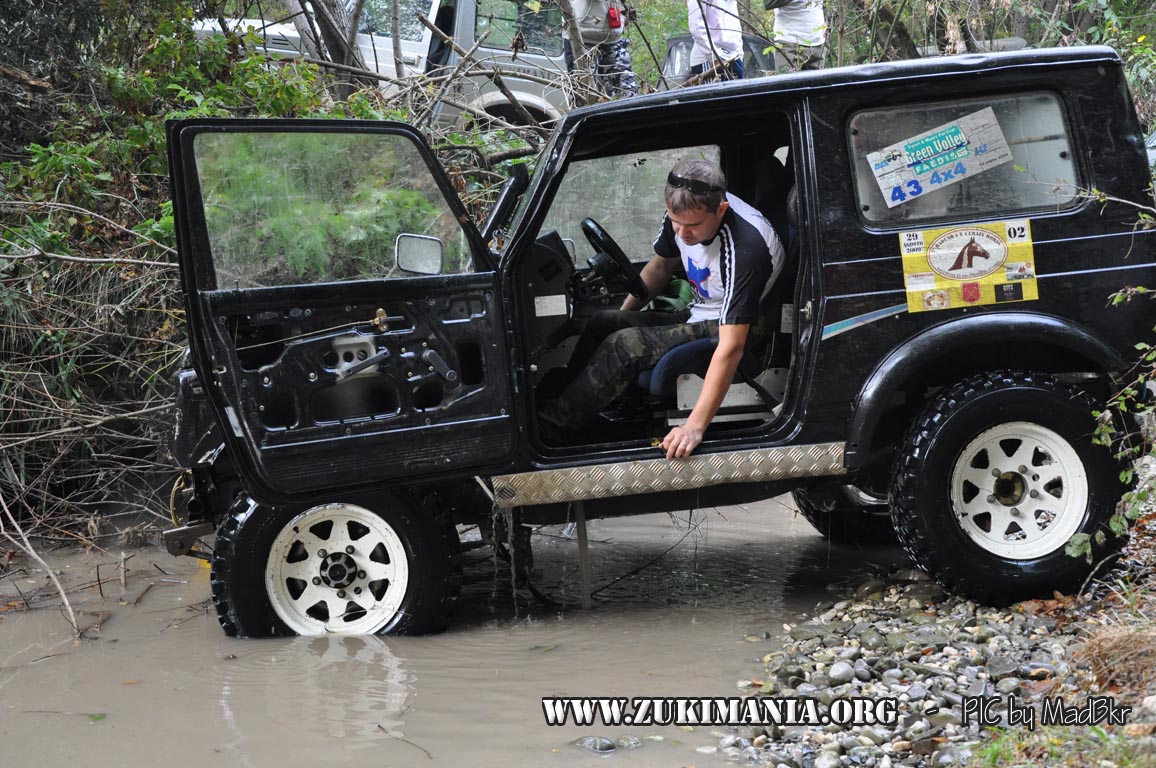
point(343, 312)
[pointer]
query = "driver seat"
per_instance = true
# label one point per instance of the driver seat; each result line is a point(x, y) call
point(677, 378)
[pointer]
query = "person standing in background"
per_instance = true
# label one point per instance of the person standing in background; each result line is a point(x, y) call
point(601, 27)
point(614, 72)
point(718, 37)
point(800, 34)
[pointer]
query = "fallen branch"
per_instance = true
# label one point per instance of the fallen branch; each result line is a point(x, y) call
point(30, 82)
point(426, 114)
point(38, 253)
point(26, 547)
point(493, 76)
point(95, 626)
point(90, 425)
point(143, 592)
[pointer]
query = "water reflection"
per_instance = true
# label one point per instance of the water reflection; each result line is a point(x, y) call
point(345, 695)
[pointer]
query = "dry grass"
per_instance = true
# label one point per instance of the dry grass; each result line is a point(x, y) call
point(1122, 658)
point(1121, 653)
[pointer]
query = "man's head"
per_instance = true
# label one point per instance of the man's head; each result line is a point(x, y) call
point(696, 200)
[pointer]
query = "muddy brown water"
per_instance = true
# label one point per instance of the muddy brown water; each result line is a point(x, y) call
point(162, 685)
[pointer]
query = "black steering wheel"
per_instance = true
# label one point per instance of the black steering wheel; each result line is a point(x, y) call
point(609, 262)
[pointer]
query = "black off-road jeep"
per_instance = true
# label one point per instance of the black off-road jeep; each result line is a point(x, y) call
point(366, 365)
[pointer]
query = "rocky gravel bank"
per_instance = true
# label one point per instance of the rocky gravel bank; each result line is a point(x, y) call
point(902, 637)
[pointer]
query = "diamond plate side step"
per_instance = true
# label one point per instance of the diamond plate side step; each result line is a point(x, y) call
point(599, 481)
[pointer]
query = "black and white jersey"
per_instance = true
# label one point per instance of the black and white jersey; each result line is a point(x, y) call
point(731, 270)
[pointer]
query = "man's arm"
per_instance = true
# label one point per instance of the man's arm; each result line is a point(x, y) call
point(681, 441)
point(655, 275)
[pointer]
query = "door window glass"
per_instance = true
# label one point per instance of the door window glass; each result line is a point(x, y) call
point(313, 207)
point(376, 18)
point(504, 20)
point(963, 159)
point(623, 193)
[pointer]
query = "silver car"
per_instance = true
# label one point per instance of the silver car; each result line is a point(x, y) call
point(533, 75)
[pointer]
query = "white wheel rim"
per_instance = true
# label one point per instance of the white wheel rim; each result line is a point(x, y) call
point(1034, 503)
point(336, 569)
point(863, 497)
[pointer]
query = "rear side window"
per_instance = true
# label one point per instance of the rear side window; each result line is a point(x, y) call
point(963, 159)
point(538, 24)
point(376, 18)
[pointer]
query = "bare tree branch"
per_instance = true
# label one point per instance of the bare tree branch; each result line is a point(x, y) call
point(23, 544)
point(84, 427)
point(494, 77)
point(395, 34)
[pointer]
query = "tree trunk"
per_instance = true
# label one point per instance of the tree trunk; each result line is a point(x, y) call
point(898, 38)
point(1084, 20)
point(1018, 25)
point(395, 35)
point(336, 32)
point(890, 36)
point(310, 42)
point(748, 19)
point(1052, 33)
point(952, 34)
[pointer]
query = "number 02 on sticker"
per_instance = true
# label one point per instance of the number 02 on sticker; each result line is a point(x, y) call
point(952, 267)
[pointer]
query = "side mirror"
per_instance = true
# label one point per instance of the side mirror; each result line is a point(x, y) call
point(420, 254)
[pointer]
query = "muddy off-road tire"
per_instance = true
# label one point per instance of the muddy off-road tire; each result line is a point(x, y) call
point(390, 566)
point(846, 515)
point(994, 478)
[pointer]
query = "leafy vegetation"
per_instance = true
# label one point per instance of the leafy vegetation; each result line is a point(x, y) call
point(1063, 746)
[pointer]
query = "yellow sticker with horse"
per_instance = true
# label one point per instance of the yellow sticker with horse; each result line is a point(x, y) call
point(966, 266)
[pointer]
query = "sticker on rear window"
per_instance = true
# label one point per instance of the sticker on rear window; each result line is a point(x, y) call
point(978, 264)
point(940, 157)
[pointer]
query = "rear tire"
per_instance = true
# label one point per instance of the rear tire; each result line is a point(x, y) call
point(995, 477)
point(338, 568)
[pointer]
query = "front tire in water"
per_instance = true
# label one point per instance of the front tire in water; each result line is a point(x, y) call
point(390, 566)
point(995, 477)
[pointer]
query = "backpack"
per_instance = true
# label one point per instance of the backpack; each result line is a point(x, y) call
point(599, 21)
point(676, 296)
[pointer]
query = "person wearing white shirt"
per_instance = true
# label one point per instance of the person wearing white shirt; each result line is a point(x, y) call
point(718, 37)
point(800, 34)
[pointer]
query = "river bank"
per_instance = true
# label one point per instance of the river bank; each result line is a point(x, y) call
point(971, 685)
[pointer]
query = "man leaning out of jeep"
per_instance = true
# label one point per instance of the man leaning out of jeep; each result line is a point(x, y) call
point(729, 252)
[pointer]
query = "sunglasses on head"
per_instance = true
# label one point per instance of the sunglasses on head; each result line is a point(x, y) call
point(695, 186)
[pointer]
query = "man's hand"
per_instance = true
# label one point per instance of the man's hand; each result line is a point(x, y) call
point(681, 441)
point(655, 275)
